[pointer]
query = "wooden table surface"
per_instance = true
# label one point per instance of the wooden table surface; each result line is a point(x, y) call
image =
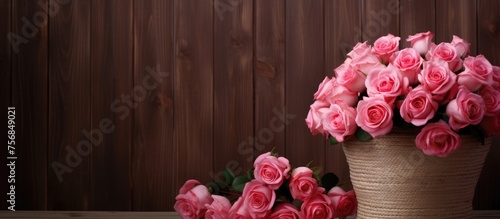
point(130, 215)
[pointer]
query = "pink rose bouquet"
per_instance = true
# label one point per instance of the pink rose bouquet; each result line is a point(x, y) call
point(273, 189)
point(438, 89)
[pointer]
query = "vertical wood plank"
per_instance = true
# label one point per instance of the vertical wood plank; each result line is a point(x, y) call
point(69, 105)
point(153, 158)
point(233, 88)
point(456, 17)
point(488, 44)
point(342, 32)
point(269, 74)
point(29, 96)
point(416, 17)
point(193, 90)
point(5, 84)
point(304, 67)
point(379, 18)
point(113, 103)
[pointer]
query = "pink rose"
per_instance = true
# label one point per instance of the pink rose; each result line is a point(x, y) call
point(491, 98)
point(467, 108)
point(385, 46)
point(491, 125)
point(313, 120)
point(478, 71)
point(461, 46)
point(339, 121)
point(239, 211)
point(421, 42)
point(286, 211)
point(437, 139)
point(219, 209)
point(192, 200)
point(302, 184)
point(318, 206)
point(447, 53)
point(344, 203)
point(386, 82)
point(363, 59)
point(324, 89)
point(341, 93)
point(271, 170)
point(418, 107)
point(437, 78)
point(408, 61)
point(496, 76)
point(374, 116)
point(258, 199)
point(350, 78)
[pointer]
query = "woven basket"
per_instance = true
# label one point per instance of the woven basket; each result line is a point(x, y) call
point(394, 179)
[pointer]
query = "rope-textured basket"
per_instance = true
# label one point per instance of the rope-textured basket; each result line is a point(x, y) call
point(394, 179)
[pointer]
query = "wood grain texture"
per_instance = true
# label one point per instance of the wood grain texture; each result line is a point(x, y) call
point(69, 106)
point(379, 18)
point(193, 91)
point(342, 32)
point(417, 16)
point(304, 72)
point(456, 17)
point(153, 158)
point(29, 96)
point(488, 44)
point(233, 89)
point(5, 81)
point(113, 103)
point(269, 73)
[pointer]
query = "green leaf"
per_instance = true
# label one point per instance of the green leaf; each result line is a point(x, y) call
point(239, 183)
point(297, 203)
point(362, 135)
point(228, 176)
point(329, 180)
point(213, 188)
point(333, 141)
point(250, 175)
point(316, 170)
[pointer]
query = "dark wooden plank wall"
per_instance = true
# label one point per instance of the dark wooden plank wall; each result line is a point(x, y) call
point(191, 87)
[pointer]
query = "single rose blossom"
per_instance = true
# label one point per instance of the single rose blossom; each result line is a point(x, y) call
point(302, 184)
point(468, 108)
point(239, 211)
point(286, 211)
point(496, 77)
point(258, 199)
point(386, 82)
point(341, 93)
point(350, 78)
point(408, 61)
point(318, 206)
point(461, 46)
point(491, 125)
point(271, 170)
point(421, 42)
point(374, 116)
point(363, 59)
point(192, 200)
point(491, 98)
point(437, 139)
point(219, 209)
point(344, 203)
point(385, 46)
point(313, 120)
point(437, 78)
point(418, 107)
point(340, 121)
point(324, 89)
point(478, 72)
point(447, 53)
